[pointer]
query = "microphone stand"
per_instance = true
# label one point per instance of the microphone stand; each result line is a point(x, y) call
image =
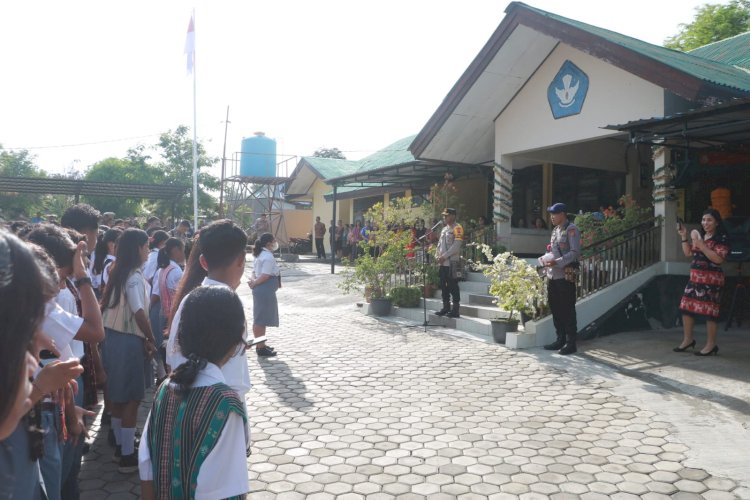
point(422, 240)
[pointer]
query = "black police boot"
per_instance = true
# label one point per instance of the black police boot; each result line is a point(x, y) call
point(455, 312)
point(570, 345)
point(557, 344)
point(445, 310)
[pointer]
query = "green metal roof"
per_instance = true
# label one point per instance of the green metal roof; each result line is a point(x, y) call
point(734, 51)
point(713, 71)
point(328, 168)
point(395, 154)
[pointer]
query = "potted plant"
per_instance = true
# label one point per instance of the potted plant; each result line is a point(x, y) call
point(517, 288)
point(383, 256)
point(405, 296)
point(430, 277)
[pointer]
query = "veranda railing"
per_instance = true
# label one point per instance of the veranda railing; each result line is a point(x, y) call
point(619, 256)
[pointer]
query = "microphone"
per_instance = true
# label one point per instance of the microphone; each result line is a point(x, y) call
point(436, 225)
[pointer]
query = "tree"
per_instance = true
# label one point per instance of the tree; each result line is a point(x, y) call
point(329, 153)
point(19, 164)
point(129, 170)
point(711, 24)
point(176, 149)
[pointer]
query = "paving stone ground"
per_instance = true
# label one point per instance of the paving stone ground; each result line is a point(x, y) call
point(356, 408)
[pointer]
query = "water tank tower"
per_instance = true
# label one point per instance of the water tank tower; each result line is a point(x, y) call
point(258, 156)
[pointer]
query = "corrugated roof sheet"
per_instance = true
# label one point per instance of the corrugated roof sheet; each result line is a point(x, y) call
point(713, 71)
point(331, 167)
point(734, 51)
point(395, 154)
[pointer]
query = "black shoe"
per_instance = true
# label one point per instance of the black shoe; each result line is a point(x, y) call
point(568, 349)
point(556, 345)
point(111, 438)
point(454, 314)
point(118, 453)
point(128, 463)
point(691, 345)
point(265, 352)
point(715, 350)
point(86, 448)
point(442, 312)
point(107, 419)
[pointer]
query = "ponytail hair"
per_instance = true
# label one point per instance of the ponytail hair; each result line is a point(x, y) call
point(157, 238)
point(163, 259)
point(211, 327)
point(110, 236)
point(261, 243)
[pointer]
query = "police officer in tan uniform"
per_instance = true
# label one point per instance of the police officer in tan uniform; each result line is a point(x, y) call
point(448, 256)
point(561, 264)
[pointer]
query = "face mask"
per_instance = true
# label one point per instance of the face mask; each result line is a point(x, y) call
point(275, 246)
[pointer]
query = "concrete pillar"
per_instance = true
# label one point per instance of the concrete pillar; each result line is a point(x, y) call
point(503, 199)
point(665, 205)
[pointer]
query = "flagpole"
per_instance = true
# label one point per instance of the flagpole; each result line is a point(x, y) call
point(195, 140)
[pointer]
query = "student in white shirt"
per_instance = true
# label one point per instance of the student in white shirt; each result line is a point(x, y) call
point(266, 279)
point(104, 256)
point(26, 283)
point(195, 409)
point(156, 242)
point(169, 271)
point(222, 245)
point(65, 328)
point(129, 342)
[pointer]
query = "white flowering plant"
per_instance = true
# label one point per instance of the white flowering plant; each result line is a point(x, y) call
point(516, 285)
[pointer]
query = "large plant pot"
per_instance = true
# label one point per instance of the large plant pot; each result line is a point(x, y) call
point(380, 307)
point(429, 291)
point(500, 329)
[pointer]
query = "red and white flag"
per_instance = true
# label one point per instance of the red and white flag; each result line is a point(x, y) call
point(190, 46)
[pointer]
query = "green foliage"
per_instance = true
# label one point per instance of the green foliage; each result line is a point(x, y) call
point(515, 284)
point(597, 226)
point(19, 164)
point(376, 273)
point(329, 153)
point(441, 197)
point(176, 149)
point(406, 296)
point(129, 170)
point(712, 22)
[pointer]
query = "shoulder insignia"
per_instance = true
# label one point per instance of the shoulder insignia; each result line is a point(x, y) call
point(571, 231)
point(458, 232)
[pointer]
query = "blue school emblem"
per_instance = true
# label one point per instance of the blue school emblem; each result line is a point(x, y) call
point(567, 91)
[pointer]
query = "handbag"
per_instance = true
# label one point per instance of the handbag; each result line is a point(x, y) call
point(572, 271)
point(457, 269)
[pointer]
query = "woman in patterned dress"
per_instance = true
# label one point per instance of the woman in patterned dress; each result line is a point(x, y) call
point(702, 295)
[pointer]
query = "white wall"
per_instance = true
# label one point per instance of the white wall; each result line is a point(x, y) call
point(614, 97)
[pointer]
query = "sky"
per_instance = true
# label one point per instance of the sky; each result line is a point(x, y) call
point(85, 80)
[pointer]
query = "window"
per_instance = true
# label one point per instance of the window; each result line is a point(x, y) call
point(527, 196)
point(586, 189)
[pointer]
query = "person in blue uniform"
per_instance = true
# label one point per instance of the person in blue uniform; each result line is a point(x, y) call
point(561, 265)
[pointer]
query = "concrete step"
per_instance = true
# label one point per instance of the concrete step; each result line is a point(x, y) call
point(479, 287)
point(469, 310)
point(480, 299)
point(476, 327)
point(473, 277)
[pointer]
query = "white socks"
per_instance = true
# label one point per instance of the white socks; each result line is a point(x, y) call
point(117, 429)
point(128, 440)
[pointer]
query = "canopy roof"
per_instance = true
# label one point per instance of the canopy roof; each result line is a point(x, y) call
point(74, 187)
point(718, 125)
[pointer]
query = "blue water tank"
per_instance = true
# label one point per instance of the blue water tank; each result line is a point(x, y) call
point(258, 156)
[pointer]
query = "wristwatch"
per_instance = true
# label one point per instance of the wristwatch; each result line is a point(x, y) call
point(82, 281)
